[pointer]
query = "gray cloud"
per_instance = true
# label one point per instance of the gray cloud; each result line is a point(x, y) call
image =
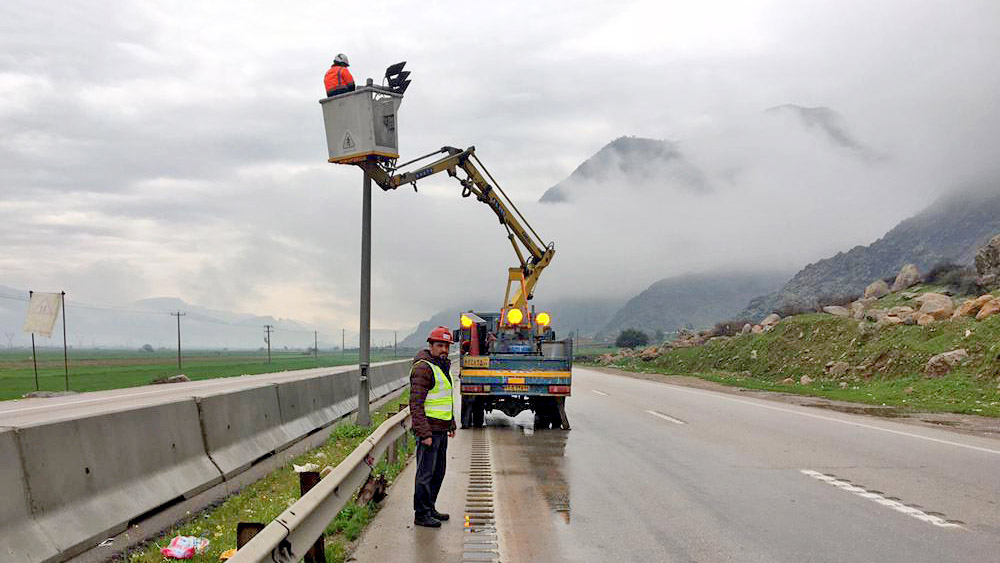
point(147, 150)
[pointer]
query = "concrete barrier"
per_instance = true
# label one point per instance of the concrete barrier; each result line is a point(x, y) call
point(88, 477)
point(22, 538)
point(242, 426)
point(307, 404)
point(388, 377)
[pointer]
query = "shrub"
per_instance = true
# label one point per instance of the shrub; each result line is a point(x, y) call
point(961, 279)
point(631, 338)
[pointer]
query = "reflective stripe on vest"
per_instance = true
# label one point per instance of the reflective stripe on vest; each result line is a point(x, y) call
point(439, 401)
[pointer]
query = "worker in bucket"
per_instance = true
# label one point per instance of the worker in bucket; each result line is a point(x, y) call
point(431, 409)
point(338, 79)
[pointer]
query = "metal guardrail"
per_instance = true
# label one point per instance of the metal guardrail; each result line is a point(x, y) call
point(294, 531)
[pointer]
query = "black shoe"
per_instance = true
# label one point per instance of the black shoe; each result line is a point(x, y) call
point(440, 515)
point(427, 522)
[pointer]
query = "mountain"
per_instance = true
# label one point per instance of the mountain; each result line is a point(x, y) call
point(828, 123)
point(949, 230)
point(693, 301)
point(148, 321)
point(633, 161)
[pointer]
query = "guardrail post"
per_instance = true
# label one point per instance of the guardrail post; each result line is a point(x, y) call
point(245, 531)
point(316, 553)
point(391, 453)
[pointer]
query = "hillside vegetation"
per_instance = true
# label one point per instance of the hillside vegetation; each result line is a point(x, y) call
point(844, 358)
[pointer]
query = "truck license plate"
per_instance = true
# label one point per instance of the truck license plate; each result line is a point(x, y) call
point(476, 361)
point(516, 388)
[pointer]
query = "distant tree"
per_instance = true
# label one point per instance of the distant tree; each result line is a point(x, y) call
point(658, 337)
point(147, 348)
point(631, 338)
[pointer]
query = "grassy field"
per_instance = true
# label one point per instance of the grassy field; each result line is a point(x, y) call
point(95, 370)
point(269, 497)
point(886, 366)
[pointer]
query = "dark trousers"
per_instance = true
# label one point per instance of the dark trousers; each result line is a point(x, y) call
point(432, 461)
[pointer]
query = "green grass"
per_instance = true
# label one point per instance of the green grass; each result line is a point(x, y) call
point(269, 497)
point(97, 370)
point(887, 365)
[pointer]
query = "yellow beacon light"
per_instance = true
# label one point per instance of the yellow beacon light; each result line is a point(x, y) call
point(466, 322)
point(515, 316)
point(543, 319)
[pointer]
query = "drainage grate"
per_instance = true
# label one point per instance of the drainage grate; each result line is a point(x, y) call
point(480, 542)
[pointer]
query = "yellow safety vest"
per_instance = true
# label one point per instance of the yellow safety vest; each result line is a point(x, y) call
point(438, 403)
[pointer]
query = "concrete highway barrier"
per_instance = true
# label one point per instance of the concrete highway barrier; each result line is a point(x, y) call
point(243, 426)
point(88, 477)
point(70, 481)
point(22, 538)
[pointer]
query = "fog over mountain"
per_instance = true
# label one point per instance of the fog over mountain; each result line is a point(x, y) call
point(149, 150)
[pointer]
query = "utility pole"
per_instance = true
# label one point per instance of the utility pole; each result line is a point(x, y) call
point(343, 341)
point(364, 344)
point(395, 341)
point(65, 345)
point(267, 338)
point(178, 314)
point(316, 344)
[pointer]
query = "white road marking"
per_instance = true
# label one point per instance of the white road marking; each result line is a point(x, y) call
point(601, 393)
point(893, 504)
point(668, 418)
point(831, 419)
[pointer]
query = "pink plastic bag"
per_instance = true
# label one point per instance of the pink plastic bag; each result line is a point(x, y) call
point(184, 547)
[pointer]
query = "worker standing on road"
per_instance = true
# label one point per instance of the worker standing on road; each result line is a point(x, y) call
point(338, 79)
point(431, 408)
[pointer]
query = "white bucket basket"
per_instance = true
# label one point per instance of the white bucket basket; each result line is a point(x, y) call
point(361, 124)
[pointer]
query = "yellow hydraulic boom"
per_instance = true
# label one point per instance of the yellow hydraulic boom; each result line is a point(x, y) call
point(533, 254)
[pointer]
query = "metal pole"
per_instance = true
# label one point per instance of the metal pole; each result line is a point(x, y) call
point(316, 344)
point(364, 418)
point(343, 341)
point(267, 329)
point(395, 342)
point(34, 359)
point(178, 314)
point(65, 346)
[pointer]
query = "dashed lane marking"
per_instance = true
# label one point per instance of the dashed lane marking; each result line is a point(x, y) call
point(666, 417)
point(601, 393)
point(876, 497)
point(831, 419)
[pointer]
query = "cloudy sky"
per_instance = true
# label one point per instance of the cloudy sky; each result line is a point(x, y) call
point(176, 149)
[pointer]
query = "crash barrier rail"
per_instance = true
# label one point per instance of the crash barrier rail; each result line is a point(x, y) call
point(289, 536)
point(69, 482)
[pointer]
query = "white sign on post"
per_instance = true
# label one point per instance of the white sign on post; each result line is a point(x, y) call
point(43, 309)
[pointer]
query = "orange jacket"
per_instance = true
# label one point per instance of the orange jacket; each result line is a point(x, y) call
point(338, 80)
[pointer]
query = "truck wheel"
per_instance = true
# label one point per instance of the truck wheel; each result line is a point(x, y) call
point(561, 418)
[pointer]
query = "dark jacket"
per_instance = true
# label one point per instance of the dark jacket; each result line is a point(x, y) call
point(422, 381)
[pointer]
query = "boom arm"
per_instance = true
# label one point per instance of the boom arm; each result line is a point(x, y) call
point(535, 254)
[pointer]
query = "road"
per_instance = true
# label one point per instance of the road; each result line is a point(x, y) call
point(658, 472)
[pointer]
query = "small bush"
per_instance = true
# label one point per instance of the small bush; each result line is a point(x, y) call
point(631, 338)
point(961, 279)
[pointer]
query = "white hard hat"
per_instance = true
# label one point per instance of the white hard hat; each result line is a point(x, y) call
point(341, 58)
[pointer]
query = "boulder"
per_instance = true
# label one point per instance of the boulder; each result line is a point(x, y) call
point(837, 369)
point(746, 329)
point(909, 294)
point(837, 311)
point(877, 289)
point(970, 307)
point(988, 261)
point(923, 319)
point(858, 309)
point(941, 364)
point(908, 277)
point(172, 379)
point(805, 380)
point(937, 305)
point(989, 309)
point(770, 320)
point(757, 329)
point(887, 321)
point(788, 381)
point(649, 354)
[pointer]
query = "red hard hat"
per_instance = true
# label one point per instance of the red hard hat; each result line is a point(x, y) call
point(440, 334)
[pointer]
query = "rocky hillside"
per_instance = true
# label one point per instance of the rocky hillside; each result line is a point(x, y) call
point(632, 161)
point(950, 230)
point(692, 301)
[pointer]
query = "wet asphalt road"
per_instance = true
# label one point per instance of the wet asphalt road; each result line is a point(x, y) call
point(656, 472)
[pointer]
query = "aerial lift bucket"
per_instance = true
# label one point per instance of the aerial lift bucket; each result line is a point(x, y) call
point(361, 125)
